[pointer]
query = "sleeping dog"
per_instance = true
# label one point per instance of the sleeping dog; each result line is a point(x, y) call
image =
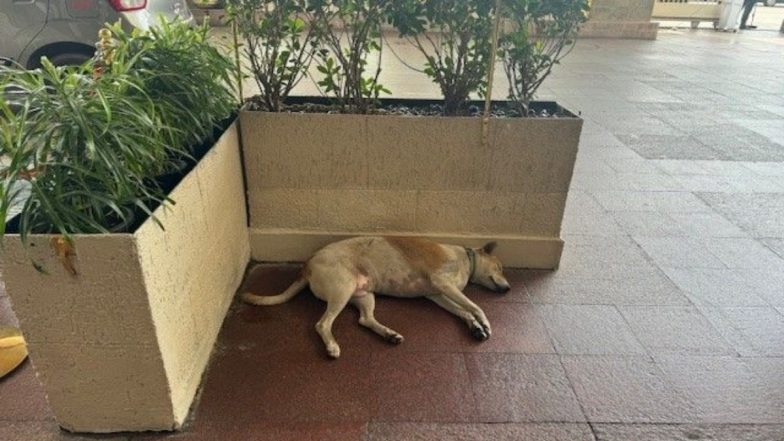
point(354, 270)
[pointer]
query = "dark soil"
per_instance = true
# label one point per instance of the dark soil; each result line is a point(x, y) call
point(400, 107)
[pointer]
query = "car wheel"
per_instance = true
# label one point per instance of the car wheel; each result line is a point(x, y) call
point(69, 59)
point(770, 2)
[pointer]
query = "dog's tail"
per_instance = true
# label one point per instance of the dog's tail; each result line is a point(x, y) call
point(287, 295)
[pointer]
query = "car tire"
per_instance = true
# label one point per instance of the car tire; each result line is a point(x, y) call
point(69, 59)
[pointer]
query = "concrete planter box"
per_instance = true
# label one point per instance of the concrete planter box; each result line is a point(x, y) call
point(123, 345)
point(316, 178)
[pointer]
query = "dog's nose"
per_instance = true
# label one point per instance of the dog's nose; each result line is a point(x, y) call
point(504, 288)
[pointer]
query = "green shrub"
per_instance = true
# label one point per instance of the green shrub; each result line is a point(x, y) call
point(544, 32)
point(455, 36)
point(350, 31)
point(278, 45)
point(90, 146)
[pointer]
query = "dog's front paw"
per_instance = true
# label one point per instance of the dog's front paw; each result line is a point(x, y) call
point(479, 333)
point(395, 339)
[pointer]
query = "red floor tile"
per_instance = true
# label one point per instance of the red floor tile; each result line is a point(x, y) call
point(522, 388)
point(46, 431)
point(22, 397)
point(265, 431)
point(422, 387)
point(244, 386)
point(478, 432)
point(7, 317)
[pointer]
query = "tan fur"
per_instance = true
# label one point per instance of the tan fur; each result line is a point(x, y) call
point(354, 270)
point(423, 255)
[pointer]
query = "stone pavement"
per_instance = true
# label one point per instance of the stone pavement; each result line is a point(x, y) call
point(665, 321)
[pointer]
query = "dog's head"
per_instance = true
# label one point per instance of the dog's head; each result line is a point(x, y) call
point(488, 271)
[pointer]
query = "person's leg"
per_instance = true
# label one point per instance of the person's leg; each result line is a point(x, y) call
point(748, 6)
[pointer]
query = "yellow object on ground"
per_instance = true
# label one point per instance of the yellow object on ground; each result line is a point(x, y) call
point(13, 350)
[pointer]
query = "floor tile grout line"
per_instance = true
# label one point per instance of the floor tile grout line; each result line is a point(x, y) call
point(572, 388)
point(648, 351)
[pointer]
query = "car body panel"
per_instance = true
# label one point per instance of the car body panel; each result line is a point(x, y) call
point(20, 21)
point(29, 26)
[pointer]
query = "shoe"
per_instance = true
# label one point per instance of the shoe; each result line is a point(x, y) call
point(13, 350)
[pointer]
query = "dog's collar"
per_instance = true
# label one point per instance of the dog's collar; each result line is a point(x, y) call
point(471, 262)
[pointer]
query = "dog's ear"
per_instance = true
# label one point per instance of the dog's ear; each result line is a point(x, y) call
point(489, 247)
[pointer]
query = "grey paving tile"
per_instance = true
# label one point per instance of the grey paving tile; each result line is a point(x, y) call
point(590, 223)
point(521, 388)
point(674, 329)
point(645, 287)
point(648, 223)
point(706, 183)
point(697, 167)
point(589, 329)
point(657, 146)
point(717, 287)
point(479, 432)
point(636, 165)
point(766, 168)
point(743, 253)
point(768, 127)
point(761, 214)
point(766, 282)
point(668, 202)
point(678, 252)
point(583, 215)
point(626, 389)
point(777, 245)
point(728, 389)
point(582, 248)
point(638, 124)
point(707, 224)
point(753, 332)
point(733, 142)
point(688, 432)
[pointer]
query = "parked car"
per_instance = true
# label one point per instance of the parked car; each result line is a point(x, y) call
point(65, 31)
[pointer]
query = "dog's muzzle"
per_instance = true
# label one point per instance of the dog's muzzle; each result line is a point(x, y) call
point(501, 288)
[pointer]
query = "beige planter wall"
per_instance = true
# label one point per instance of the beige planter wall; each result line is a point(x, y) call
point(621, 19)
point(123, 345)
point(314, 178)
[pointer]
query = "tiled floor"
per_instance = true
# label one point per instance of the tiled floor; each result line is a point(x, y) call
point(665, 321)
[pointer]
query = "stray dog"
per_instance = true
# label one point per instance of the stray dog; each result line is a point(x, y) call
point(354, 270)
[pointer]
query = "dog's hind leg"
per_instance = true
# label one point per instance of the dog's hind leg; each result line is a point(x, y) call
point(366, 305)
point(334, 286)
point(324, 327)
point(477, 331)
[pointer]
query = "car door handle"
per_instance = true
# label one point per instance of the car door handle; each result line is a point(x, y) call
point(23, 2)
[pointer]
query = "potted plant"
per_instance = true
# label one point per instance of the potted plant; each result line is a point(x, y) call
point(120, 275)
point(351, 162)
point(210, 11)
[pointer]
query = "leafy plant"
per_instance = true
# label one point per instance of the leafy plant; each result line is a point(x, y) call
point(77, 142)
point(543, 32)
point(278, 45)
point(455, 36)
point(350, 32)
point(208, 4)
point(88, 143)
point(190, 81)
